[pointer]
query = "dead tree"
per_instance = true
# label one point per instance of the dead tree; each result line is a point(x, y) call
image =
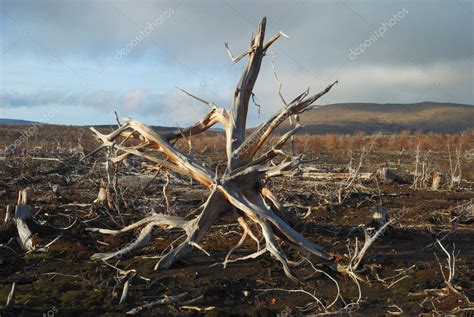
point(242, 188)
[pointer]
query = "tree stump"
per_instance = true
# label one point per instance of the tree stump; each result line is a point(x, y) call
point(436, 179)
point(22, 215)
point(102, 195)
point(17, 221)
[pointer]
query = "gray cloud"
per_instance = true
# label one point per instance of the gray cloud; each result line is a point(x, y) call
point(432, 30)
point(168, 109)
point(135, 100)
point(428, 54)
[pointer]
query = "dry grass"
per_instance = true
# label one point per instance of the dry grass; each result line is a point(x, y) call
point(387, 148)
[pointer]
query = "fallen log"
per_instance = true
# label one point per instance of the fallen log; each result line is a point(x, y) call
point(11, 297)
point(335, 176)
point(436, 179)
point(22, 215)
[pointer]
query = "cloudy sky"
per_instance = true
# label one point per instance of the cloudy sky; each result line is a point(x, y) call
point(85, 59)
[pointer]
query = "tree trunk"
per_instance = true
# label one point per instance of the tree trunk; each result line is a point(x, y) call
point(241, 188)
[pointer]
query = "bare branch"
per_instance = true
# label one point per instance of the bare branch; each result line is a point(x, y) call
point(236, 58)
point(274, 38)
point(251, 145)
point(243, 92)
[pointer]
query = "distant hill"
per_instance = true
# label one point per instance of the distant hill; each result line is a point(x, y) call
point(16, 122)
point(346, 118)
point(372, 117)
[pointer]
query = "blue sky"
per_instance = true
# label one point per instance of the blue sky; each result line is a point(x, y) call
point(86, 59)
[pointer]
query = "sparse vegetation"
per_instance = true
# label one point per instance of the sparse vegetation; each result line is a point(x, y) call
point(87, 212)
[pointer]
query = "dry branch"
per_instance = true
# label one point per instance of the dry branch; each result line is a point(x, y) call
point(240, 189)
point(11, 297)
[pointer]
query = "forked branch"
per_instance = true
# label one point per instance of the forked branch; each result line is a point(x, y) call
point(240, 190)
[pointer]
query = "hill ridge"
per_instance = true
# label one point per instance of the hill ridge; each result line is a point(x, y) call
point(351, 117)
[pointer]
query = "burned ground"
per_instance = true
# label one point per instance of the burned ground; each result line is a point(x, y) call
point(398, 268)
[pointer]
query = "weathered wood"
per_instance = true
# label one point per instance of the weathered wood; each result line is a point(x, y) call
point(101, 195)
point(165, 300)
point(11, 297)
point(291, 218)
point(24, 196)
point(335, 176)
point(25, 236)
point(240, 188)
point(17, 219)
point(8, 227)
point(436, 179)
point(196, 229)
point(244, 91)
point(10, 210)
point(258, 137)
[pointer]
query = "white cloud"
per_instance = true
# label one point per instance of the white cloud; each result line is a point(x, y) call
point(132, 100)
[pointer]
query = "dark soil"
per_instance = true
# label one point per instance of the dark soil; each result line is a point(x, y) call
point(64, 281)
